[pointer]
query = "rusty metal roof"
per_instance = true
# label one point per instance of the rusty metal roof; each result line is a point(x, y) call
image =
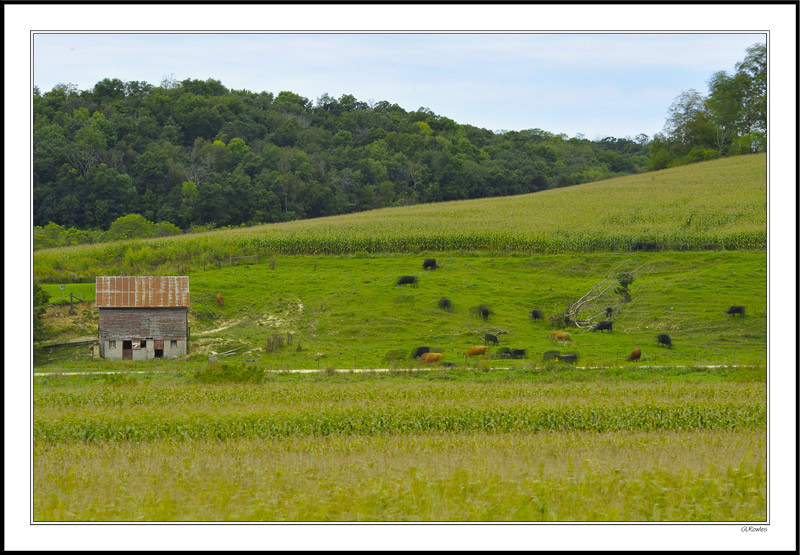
point(142, 291)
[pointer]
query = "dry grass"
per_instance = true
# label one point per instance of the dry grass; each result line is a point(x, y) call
point(697, 476)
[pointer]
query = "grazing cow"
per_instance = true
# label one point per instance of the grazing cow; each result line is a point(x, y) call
point(429, 264)
point(482, 311)
point(503, 352)
point(570, 358)
point(489, 338)
point(664, 339)
point(644, 246)
point(560, 336)
point(609, 312)
point(445, 304)
point(604, 325)
point(478, 350)
point(430, 358)
point(536, 315)
point(550, 355)
point(419, 351)
point(635, 355)
point(517, 353)
point(407, 280)
point(736, 310)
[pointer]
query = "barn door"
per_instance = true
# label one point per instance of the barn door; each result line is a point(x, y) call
point(127, 350)
point(158, 348)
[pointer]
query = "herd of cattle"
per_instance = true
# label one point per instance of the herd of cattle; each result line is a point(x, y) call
point(426, 357)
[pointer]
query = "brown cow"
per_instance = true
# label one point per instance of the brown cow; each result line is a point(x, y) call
point(430, 358)
point(635, 355)
point(560, 336)
point(478, 350)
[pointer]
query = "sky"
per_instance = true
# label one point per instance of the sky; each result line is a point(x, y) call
point(595, 85)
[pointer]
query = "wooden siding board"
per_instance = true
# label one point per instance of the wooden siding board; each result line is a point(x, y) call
point(131, 323)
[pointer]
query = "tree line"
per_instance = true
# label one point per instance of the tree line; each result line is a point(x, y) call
point(195, 155)
point(731, 119)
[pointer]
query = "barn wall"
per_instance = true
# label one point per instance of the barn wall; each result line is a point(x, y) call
point(140, 323)
point(149, 324)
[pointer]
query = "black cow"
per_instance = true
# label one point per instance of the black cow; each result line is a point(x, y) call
point(536, 315)
point(429, 264)
point(419, 351)
point(604, 325)
point(550, 355)
point(664, 339)
point(503, 352)
point(407, 280)
point(570, 358)
point(517, 353)
point(489, 338)
point(644, 246)
point(609, 312)
point(448, 364)
point(445, 304)
point(736, 310)
point(482, 311)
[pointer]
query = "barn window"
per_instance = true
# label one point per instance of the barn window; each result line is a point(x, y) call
point(144, 343)
point(112, 344)
point(173, 343)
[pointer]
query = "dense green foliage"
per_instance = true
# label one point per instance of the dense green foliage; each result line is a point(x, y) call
point(41, 298)
point(731, 120)
point(197, 153)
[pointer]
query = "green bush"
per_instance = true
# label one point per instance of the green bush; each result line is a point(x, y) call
point(215, 372)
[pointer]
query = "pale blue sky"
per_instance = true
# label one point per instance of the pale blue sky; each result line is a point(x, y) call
point(594, 84)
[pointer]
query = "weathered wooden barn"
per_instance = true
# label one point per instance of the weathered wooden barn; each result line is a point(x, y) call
point(143, 317)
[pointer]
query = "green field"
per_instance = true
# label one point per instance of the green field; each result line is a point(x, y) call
point(706, 206)
point(440, 446)
point(679, 436)
point(347, 312)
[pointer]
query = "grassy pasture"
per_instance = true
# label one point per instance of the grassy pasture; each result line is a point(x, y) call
point(347, 312)
point(712, 205)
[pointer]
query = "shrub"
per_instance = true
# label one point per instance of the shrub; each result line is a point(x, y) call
point(274, 342)
point(228, 373)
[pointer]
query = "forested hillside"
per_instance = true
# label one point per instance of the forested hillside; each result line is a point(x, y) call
point(194, 153)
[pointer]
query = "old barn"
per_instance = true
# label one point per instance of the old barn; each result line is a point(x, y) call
point(142, 317)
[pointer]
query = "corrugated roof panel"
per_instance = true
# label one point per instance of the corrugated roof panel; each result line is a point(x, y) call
point(142, 291)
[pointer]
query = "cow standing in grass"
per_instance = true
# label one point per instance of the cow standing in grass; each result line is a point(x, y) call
point(734, 310)
point(419, 351)
point(604, 325)
point(665, 340)
point(536, 315)
point(431, 358)
point(489, 338)
point(560, 337)
point(635, 355)
point(407, 280)
point(477, 350)
point(429, 264)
